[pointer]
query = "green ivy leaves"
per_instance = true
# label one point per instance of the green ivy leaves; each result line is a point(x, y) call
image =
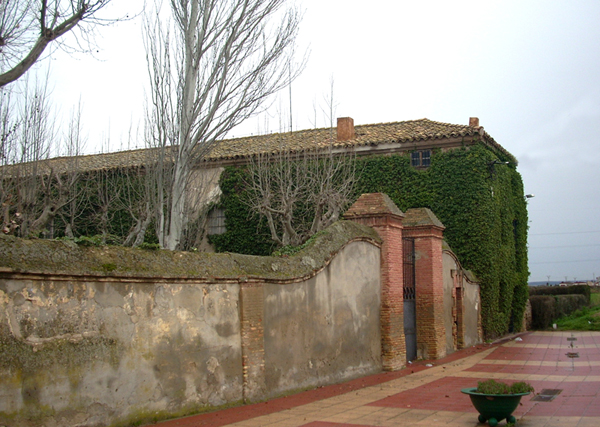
point(481, 205)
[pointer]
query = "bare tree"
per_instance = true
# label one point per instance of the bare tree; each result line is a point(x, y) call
point(35, 134)
point(28, 27)
point(300, 193)
point(9, 126)
point(213, 67)
point(137, 201)
point(33, 191)
point(107, 196)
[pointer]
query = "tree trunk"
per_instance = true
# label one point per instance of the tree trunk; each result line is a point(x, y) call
point(177, 214)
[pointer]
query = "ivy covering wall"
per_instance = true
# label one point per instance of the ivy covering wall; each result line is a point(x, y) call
point(481, 204)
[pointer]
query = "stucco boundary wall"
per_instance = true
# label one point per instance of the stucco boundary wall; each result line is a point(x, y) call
point(109, 335)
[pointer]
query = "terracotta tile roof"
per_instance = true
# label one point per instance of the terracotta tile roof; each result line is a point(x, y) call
point(240, 148)
point(90, 162)
point(366, 135)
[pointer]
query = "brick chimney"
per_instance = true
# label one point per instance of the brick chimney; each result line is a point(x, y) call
point(474, 122)
point(345, 129)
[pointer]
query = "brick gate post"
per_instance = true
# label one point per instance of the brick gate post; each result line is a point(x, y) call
point(423, 226)
point(379, 212)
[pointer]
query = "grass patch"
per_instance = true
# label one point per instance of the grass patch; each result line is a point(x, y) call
point(595, 297)
point(586, 319)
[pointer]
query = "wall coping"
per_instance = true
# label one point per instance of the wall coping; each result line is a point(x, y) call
point(468, 274)
point(63, 259)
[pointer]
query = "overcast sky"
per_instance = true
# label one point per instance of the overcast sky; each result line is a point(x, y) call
point(530, 70)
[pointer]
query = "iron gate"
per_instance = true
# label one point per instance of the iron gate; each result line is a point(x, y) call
point(410, 307)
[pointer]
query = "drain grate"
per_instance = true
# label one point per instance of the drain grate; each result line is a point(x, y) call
point(547, 395)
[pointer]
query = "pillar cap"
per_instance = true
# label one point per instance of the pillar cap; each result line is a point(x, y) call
point(373, 204)
point(418, 217)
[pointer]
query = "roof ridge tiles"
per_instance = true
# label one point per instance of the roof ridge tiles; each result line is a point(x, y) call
point(366, 135)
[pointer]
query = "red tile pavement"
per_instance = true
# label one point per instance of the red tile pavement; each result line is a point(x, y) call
point(576, 399)
point(443, 394)
point(327, 424)
point(245, 412)
point(534, 370)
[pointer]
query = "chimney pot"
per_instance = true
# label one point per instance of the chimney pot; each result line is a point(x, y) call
point(474, 122)
point(345, 129)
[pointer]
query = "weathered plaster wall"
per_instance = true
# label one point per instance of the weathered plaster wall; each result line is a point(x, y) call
point(82, 347)
point(96, 351)
point(449, 264)
point(472, 304)
point(461, 305)
point(325, 330)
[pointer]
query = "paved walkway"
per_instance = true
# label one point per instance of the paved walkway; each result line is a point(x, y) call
point(426, 396)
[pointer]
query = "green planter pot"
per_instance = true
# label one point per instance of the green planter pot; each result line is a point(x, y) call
point(493, 408)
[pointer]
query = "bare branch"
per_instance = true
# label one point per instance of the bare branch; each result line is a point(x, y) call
point(300, 194)
point(31, 197)
point(28, 27)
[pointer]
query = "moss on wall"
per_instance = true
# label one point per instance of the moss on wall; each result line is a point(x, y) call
point(31, 365)
point(59, 257)
point(35, 359)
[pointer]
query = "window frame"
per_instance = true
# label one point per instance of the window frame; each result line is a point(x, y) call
point(420, 158)
point(215, 222)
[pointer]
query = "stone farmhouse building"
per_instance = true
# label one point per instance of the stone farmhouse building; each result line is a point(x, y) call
point(417, 138)
point(457, 298)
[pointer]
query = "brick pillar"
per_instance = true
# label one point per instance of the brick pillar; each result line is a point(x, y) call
point(427, 230)
point(253, 344)
point(379, 212)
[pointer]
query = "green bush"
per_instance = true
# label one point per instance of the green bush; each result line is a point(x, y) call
point(567, 304)
point(149, 246)
point(542, 311)
point(98, 240)
point(498, 387)
point(545, 309)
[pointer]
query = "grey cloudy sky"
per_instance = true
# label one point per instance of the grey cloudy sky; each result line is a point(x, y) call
point(528, 69)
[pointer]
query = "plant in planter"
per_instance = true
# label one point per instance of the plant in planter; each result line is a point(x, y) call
point(496, 400)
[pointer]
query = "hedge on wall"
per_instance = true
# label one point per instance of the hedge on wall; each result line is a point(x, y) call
point(481, 204)
point(584, 290)
point(542, 311)
point(546, 308)
point(567, 304)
